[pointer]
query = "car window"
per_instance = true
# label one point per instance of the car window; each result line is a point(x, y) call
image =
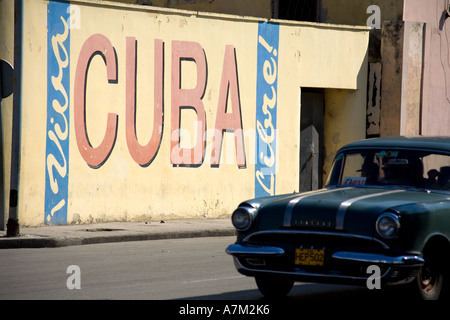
point(352, 174)
point(437, 171)
point(392, 167)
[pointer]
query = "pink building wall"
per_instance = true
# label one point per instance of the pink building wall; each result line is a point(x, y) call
point(436, 70)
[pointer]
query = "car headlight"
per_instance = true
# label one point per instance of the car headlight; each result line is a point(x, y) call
point(388, 225)
point(242, 218)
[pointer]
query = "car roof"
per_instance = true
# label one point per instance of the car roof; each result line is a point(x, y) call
point(402, 142)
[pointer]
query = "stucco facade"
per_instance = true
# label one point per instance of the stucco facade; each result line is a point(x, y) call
point(140, 113)
point(409, 62)
point(435, 93)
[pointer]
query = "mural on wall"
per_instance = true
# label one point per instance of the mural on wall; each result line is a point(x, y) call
point(58, 113)
point(190, 102)
point(266, 109)
point(228, 115)
point(95, 157)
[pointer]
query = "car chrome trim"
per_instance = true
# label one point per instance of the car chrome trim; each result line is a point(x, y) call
point(340, 216)
point(290, 207)
point(312, 232)
point(300, 273)
point(237, 249)
point(409, 261)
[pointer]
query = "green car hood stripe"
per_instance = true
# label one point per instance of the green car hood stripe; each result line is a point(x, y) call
point(290, 207)
point(344, 206)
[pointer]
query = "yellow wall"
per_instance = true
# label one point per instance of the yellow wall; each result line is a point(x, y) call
point(118, 188)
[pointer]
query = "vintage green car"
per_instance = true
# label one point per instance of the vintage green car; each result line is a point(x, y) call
point(385, 207)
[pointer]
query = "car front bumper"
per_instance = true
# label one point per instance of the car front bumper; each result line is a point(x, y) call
point(250, 260)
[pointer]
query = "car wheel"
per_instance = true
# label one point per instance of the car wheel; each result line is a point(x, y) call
point(274, 287)
point(432, 280)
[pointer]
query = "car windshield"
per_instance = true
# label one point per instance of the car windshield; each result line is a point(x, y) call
point(409, 168)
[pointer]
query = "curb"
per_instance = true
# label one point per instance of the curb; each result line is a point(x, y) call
point(33, 241)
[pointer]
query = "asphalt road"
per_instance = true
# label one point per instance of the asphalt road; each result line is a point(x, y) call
point(196, 268)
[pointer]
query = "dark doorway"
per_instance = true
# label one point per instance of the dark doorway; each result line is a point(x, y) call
point(299, 10)
point(311, 139)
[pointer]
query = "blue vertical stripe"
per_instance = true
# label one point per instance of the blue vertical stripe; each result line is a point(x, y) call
point(58, 113)
point(266, 109)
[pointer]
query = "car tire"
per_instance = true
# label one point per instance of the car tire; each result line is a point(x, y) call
point(274, 287)
point(432, 282)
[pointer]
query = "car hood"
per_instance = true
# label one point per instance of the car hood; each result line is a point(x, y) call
point(340, 209)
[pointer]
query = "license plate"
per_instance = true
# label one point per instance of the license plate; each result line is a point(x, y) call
point(309, 257)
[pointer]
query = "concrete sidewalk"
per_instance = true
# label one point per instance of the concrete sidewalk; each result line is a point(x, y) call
point(78, 234)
